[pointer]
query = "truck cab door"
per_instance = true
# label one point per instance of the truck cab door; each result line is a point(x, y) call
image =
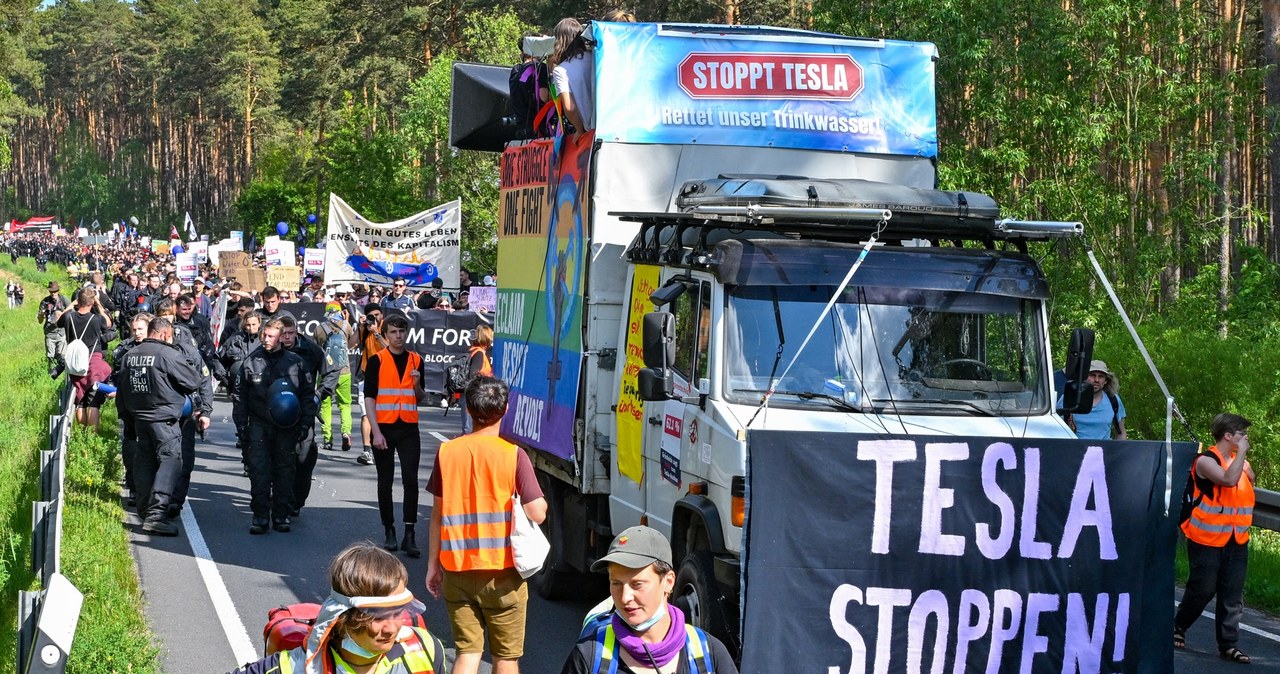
point(666, 479)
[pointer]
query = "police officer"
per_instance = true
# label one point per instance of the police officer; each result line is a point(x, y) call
point(198, 325)
point(128, 430)
point(155, 382)
point(201, 403)
point(233, 352)
point(273, 427)
point(323, 372)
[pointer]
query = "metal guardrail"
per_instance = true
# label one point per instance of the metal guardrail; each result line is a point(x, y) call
point(47, 618)
point(1266, 510)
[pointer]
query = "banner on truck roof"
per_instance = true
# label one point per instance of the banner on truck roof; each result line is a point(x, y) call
point(541, 260)
point(420, 248)
point(890, 553)
point(797, 90)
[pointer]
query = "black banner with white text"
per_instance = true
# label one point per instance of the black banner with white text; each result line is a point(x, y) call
point(438, 336)
point(942, 554)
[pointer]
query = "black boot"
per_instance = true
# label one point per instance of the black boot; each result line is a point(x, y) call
point(391, 543)
point(408, 545)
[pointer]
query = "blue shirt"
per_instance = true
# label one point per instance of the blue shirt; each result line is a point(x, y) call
point(1096, 425)
point(404, 303)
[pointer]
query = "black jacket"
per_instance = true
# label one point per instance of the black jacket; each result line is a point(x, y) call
point(323, 370)
point(202, 334)
point(262, 368)
point(155, 380)
point(232, 354)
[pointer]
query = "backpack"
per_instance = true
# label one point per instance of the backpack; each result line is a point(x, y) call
point(1190, 496)
point(76, 354)
point(596, 626)
point(522, 88)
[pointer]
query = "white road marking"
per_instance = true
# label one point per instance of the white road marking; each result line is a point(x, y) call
point(241, 645)
point(439, 437)
point(1250, 629)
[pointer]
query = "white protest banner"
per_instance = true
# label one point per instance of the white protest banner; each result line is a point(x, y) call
point(218, 318)
point(281, 252)
point(201, 250)
point(313, 261)
point(187, 266)
point(482, 298)
point(419, 248)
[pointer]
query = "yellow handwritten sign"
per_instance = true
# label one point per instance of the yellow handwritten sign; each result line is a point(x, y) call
point(630, 407)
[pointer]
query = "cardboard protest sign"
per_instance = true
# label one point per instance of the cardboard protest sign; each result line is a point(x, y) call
point(284, 277)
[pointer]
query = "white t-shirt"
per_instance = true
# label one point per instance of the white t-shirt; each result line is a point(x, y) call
point(577, 76)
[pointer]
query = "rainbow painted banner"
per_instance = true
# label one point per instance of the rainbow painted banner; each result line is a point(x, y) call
point(542, 264)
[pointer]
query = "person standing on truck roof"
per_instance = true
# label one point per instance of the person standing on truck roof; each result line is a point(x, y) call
point(470, 562)
point(643, 633)
point(573, 75)
point(1106, 420)
point(1218, 536)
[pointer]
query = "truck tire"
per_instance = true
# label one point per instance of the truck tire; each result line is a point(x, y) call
point(556, 580)
point(699, 596)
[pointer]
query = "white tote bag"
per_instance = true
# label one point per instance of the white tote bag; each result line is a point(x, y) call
point(529, 546)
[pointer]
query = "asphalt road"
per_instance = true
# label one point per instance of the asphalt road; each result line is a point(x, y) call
point(201, 629)
point(207, 591)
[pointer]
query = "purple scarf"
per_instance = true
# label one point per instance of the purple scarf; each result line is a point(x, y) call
point(664, 651)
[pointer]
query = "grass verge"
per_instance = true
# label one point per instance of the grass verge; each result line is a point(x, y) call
point(112, 635)
point(24, 431)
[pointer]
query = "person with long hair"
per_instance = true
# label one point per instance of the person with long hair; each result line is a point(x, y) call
point(362, 625)
point(573, 74)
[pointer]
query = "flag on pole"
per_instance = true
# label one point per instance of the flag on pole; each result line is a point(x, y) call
point(173, 233)
point(96, 225)
point(190, 226)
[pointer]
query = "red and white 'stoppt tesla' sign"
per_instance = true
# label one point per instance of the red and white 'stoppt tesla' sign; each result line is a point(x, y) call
point(760, 75)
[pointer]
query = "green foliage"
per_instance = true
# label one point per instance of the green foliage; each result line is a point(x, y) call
point(23, 433)
point(266, 201)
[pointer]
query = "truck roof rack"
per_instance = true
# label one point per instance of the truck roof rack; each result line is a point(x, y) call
point(846, 209)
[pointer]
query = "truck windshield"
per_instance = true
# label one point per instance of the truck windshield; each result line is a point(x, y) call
point(894, 350)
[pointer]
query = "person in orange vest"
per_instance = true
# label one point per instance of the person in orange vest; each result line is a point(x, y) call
point(1218, 535)
point(470, 562)
point(372, 342)
point(364, 625)
point(478, 365)
point(392, 389)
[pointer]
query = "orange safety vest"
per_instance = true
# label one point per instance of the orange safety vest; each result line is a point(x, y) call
point(396, 399)
point(477, 478)
point(1222, 513)
point(486, 369)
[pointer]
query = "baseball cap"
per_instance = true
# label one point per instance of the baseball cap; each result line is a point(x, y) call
point(636, 548)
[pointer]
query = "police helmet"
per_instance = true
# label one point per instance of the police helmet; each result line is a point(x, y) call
point(283, 407)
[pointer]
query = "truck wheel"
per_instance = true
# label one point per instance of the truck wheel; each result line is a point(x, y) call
point(556, 580)
point(699, 596)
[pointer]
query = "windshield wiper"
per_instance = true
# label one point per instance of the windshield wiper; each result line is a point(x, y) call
point(984, 411)
point(835, 401)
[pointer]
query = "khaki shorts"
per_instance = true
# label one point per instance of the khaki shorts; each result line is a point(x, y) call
point(487, 600)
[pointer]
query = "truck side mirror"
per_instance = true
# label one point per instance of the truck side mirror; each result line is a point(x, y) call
point(655, 383)
point(1077, 395)
point(659, 340)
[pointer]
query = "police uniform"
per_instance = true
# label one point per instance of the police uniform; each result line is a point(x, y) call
point(154, 384)
point(201, 401)
point(324, 371)
point(233, 352)
point(272, 449)
point(128, 433)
